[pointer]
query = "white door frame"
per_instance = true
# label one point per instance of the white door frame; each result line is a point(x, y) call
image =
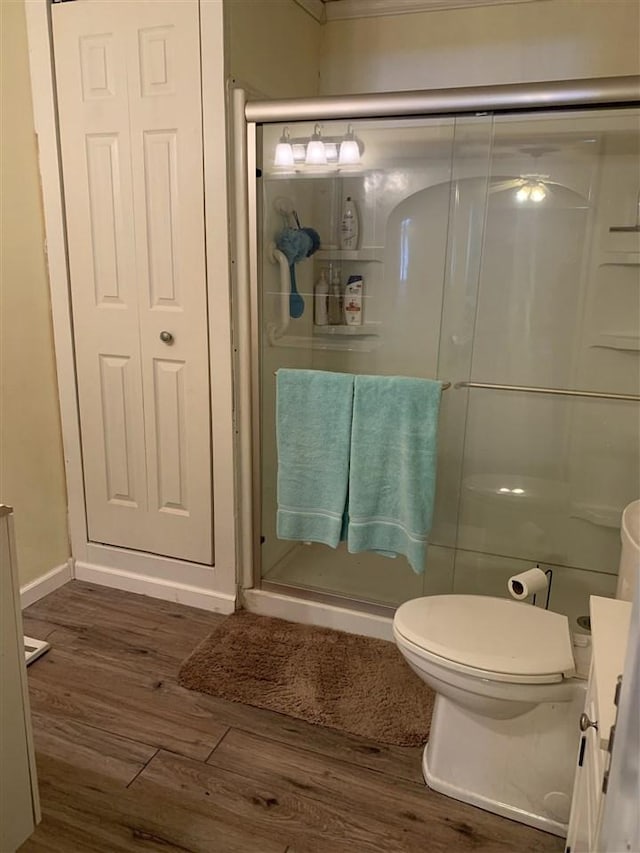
point(200, 586)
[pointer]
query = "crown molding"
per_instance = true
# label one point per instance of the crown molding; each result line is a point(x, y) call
point(348, 9)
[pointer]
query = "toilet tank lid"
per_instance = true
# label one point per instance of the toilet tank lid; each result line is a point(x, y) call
point(495, 634)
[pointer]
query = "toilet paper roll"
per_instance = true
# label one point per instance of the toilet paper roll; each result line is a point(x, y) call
point(527, 583)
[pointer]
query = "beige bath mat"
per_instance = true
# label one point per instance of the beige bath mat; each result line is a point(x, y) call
point(346, 682)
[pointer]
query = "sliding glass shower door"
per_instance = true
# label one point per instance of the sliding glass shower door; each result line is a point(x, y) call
point(402, 192)
point(488, 260)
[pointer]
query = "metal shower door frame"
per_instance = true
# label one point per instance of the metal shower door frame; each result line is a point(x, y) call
point(248, 116)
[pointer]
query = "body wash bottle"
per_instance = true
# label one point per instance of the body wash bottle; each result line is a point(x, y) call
point(349, 226)
point(320, 300)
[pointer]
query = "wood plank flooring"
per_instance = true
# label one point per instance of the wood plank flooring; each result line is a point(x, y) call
point(130, 761)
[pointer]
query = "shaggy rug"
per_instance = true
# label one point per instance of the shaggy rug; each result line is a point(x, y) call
point(346, 682)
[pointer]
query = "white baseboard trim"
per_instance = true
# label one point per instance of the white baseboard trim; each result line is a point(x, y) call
point(167, 590)
point(37, 589)
point(317, 613)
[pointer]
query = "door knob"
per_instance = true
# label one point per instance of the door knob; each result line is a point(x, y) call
point(586, 723)
point(166, 337)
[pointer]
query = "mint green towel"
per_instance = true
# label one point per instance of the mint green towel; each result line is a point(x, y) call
point(392, 478)
point(313, 415)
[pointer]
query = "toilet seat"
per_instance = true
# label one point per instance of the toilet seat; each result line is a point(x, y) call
point(492, 638)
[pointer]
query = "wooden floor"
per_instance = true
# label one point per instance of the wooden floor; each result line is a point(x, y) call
point(130, 761)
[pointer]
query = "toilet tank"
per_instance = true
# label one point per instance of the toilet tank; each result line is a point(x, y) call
point(630, 554)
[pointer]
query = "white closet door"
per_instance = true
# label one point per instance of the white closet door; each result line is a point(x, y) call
point(128, 80)
point(167, 166)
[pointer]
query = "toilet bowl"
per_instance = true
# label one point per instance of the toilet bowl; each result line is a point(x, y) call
point(630, 554)
point(504, 727)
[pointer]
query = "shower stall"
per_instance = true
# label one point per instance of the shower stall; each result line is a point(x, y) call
point(499, 244)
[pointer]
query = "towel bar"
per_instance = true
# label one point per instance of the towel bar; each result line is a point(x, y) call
point(561, 392)
point(445, 385)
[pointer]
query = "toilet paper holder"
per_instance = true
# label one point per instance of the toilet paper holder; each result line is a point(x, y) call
point(517, 588)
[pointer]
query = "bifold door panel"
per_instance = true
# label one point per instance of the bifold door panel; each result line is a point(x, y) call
point(129, 100)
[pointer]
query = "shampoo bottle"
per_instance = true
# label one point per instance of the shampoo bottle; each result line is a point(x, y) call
point(349, 226)
point(320, 300)
point(353, 302)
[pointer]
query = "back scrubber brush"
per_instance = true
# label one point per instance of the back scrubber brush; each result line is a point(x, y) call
point(296, 244)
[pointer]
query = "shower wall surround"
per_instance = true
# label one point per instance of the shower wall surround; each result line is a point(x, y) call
point(487, 257)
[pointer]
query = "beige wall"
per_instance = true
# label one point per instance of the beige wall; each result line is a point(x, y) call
point(31, 460)
point(547, 40)
point(273, 47)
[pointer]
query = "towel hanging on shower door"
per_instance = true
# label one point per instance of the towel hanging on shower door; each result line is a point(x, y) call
point(393, 459)
point(313, 431)
point(357, 460)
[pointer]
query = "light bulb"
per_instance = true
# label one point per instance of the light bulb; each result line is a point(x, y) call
point(538, 193)
point(316, 155)
point(523, 193)
point(284, 152)
point(349, 149)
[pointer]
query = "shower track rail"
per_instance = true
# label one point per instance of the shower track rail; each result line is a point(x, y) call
point(509, 97)
point(560, 392)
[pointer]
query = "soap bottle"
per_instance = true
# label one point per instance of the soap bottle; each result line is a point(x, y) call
point(320, 300)
point(349, 226)
point(335, 301)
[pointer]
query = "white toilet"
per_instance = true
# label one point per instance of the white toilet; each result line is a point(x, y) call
point(504, 733)
point(504, 726)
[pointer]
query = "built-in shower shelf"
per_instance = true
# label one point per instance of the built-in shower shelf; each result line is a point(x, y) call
point(366, 331)
point(617, 341)
point(346, 343)
point(371, 253)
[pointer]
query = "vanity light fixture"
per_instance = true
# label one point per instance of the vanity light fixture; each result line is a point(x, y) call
point(316, 154)
point(318, 151)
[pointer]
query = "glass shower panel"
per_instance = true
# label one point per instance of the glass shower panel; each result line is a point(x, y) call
point(545, 477)
point(403, 191)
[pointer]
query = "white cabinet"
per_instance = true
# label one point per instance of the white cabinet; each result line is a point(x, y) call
point(19, 804)
point(610, 628)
